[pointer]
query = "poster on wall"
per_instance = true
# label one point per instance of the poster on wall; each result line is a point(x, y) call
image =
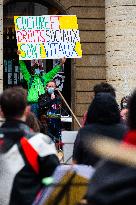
point(47, 37)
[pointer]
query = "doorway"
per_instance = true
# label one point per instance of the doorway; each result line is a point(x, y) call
point(11, 71)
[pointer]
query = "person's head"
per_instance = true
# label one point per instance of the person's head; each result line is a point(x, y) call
point(103, 109)
point(51, 86)
point(32, 122)
point(132, 111)
point(13, 102)
point(104, 88)
point(124, 108)
point(35, 70)
point(36, 67)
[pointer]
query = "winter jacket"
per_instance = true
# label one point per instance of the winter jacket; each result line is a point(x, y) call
point(114, 183)
point(82, 153)
point(50, 107)
point(25, 159)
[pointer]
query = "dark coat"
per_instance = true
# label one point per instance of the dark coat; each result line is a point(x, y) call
point(20, 183)
point(48, 105)
point(82, 153)
point(112, 184)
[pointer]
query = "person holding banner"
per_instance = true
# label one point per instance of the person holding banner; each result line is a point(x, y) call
point(37, 81)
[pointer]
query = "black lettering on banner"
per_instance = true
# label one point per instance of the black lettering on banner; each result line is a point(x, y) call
point(48, 35)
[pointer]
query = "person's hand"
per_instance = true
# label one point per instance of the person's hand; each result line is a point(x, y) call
point(62, 61)
point(18, 52)
point(52, 96)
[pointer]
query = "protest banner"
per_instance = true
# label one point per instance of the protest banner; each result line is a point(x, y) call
point(47, 37)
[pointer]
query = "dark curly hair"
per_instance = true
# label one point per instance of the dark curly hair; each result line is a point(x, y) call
point(104, 88)
point(103, 109)
point(132, 111)
point(13, 102)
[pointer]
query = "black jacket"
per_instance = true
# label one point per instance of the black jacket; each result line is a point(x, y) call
point(49, 106)
point(112, 184)
point(82, 152)
point(19, 182)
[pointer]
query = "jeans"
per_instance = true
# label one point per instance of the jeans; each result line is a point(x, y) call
point(35, 109)
point(54, 130)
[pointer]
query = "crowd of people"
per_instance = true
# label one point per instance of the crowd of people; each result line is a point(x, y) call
point(31, 137)
point(113, 182)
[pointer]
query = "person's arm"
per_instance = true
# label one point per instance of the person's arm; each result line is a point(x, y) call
point(47, 77)
point(24, 70)
point(47, 154)
point(48, 165)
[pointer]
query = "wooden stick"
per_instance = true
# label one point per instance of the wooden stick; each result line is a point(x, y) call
point(69, 108)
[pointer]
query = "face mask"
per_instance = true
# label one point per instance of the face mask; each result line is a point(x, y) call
point(124, 105)
point(50, 90)
point(37, 71)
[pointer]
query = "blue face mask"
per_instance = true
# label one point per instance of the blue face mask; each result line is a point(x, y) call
point(50, 90)
point(37, 71)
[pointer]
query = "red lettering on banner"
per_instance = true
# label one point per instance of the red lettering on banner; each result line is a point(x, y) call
point(24, 34)
point(31, 36)
point(19, 37)
point(42, 39)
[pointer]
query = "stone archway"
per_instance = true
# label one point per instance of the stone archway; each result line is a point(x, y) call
point(55, 3)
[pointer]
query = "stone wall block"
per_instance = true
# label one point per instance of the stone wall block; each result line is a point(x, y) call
point(1, 46)
point(120, 35)
point(87, 12)
point(90, 73)
point(93, 3)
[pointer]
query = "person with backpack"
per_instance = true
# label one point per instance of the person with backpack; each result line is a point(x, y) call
point(25, 157)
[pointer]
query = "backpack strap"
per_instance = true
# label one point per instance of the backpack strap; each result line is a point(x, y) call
point(30, 153)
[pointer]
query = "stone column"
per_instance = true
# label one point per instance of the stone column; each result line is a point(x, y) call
point(1, 46)
point(120, 31)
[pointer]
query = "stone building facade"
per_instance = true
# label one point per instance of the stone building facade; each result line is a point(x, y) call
point(108, 36)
